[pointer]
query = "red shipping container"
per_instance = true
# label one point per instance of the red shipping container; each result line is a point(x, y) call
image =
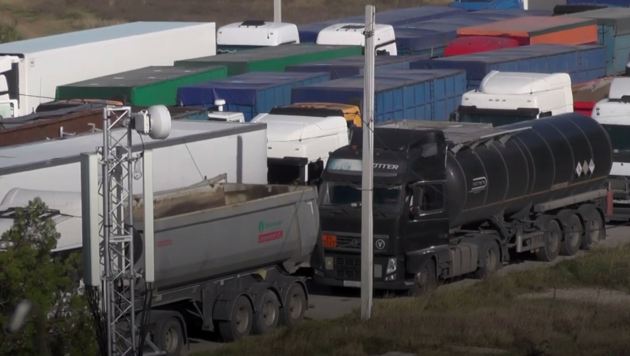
point(474, 44)
point(583, 107)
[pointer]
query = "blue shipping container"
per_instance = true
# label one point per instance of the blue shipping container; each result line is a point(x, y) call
point(611, 3)
point(250, 93)
point(351, 66)
point(399, 93)
point(582, 63)
point(397, 17)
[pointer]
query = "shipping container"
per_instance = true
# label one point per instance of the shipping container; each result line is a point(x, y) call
point(399, 94)
point(573, 9)
point(142, 87)
point(351, 66)
point(613, 26)
point(32, 69)
point(475, 44)
point(396, 17)
point(610, 3)
point(250, 93)
point(273, 59)
point(530, 30)
point(504, 14)
point(582, 63)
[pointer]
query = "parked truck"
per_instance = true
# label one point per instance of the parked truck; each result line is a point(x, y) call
point(237, 279)
point(240, 36)
point(509, 97)
point(451, 199)
point(613, 114)
point(351, 34)
point(31, 70)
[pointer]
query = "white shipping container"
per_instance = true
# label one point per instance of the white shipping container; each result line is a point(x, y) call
point(32, 69)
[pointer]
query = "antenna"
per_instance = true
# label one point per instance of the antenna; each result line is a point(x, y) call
point(111, 274)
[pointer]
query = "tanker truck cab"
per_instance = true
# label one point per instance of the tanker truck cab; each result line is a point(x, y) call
point(351, 34)
point(613, 114)
point(509, 97)
point(299, 141)
point(457, 199)
point(251, 34)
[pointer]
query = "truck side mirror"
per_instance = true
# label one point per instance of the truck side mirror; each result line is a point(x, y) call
point(416, 201)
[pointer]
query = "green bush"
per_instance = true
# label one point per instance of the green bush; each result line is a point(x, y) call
point(8, 33)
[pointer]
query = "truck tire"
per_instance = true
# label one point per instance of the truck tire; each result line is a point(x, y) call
point(425, 281)
point(572, 236)
point(267, 316)
point(594, 227)
point(294, 306)
point(490, 260)
point(169, 336)
point(552, 237)
point(240, 323)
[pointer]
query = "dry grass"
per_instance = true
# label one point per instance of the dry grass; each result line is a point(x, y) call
point(35, 18)
point(491, 314)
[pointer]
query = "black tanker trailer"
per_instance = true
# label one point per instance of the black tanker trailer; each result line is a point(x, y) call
point(457, 198)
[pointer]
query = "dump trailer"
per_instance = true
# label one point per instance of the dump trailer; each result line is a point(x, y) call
point(224, 254)
point(452, 199)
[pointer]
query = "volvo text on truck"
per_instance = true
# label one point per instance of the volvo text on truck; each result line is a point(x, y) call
point(451, 199)
point(509, 97)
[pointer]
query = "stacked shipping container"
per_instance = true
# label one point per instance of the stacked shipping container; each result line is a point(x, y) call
point(351, 66)
point(399, 94)
point(251, 93)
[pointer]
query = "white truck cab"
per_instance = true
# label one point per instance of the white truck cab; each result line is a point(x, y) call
point(298, 146)
point(351, 34)
point(9, 104)
point(250, 34)
point(508, 97)
point(613, 114)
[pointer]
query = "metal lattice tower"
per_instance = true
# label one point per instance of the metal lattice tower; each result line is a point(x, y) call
point(117, 250)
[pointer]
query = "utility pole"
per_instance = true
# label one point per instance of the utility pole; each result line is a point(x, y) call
point(277, 10)
point(367, 182)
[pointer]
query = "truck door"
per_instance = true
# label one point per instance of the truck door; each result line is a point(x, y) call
point(427, 218)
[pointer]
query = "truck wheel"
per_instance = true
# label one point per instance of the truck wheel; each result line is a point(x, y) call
point(490, 260)
point(268, 315)
point(294, 307)
point(425, 280)
point(552, 237)
point(169, 336)
point(594, 229)
point(572, 236)
point(240, 323)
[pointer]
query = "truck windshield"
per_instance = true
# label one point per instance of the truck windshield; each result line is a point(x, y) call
point(619, 137)
point(386, 198)
point(495, 120)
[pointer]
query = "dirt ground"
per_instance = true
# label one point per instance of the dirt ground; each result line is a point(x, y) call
point(35, 18)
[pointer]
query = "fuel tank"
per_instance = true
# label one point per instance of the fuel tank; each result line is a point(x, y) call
point(556, 157)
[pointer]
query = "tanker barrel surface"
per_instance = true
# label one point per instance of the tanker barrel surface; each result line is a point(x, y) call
point(210, 231)
point(505, 171)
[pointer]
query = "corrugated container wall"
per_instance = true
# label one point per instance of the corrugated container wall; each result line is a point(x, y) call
point(399, 94)
point(397, 17)
point(273, 59)
point(613, 25)
point(143, 87)
point(537, 30)
point(250, 93)
point(475, 44)
point(582, 63)
point(351, 66)
point(612, 3)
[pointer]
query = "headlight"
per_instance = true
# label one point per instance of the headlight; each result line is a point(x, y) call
point(391, 266)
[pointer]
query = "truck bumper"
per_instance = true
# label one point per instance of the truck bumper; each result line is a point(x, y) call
point(344, 270)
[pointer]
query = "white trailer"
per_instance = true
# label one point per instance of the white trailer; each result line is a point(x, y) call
point(31, 70)
point(194, 151)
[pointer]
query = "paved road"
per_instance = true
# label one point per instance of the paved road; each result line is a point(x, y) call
point(326, 304)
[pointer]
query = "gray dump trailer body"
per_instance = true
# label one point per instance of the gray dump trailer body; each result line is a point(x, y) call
point(213, 231)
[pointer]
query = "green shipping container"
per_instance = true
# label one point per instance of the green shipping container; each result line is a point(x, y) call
point(141, 87)
point(273, 59)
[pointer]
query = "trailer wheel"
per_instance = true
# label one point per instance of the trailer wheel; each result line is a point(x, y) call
point(268, 315)
point(294, 307)
point(240, 323)
point(552, 237)
point(572, 238)
point(594, 228)
point(169, 336)
point(426, 280)
point(490, 260)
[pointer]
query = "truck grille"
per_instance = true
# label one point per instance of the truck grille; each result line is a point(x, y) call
point(349, 242)
point(348, 268)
